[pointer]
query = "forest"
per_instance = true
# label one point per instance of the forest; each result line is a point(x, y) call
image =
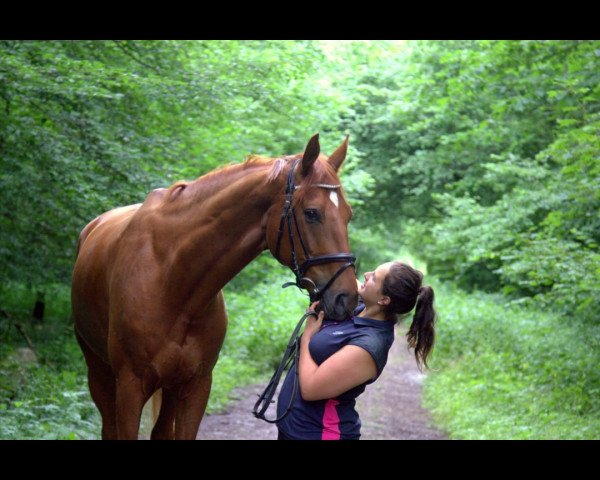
point(479, 160)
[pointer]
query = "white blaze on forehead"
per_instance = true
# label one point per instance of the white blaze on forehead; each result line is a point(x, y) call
point(334, 198)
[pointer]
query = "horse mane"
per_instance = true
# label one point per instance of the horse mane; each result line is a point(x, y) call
point(206, 184)
point(280, 164)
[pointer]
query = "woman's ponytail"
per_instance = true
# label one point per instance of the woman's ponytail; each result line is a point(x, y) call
point(421, 334)
point(404, 285)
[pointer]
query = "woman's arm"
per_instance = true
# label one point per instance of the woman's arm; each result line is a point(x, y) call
point(349, 367)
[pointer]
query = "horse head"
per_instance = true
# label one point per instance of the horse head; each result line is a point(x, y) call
point(308, 231)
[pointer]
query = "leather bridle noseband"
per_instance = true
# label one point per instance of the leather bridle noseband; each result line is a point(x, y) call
point(287, 216)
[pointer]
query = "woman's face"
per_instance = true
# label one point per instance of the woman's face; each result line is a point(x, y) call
point(370, 290)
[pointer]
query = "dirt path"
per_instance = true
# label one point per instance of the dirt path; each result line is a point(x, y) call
point(390, 409)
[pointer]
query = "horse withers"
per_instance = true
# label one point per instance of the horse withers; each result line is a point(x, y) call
point(147, 304)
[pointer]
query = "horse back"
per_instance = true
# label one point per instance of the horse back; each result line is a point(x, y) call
point(119, 214)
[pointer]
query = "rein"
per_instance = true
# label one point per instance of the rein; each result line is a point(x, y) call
point(291, 355)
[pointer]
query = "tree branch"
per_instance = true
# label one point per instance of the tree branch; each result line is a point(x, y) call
point(128, 51)
point(19, 327)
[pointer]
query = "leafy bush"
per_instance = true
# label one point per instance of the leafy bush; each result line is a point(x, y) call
point(45, 398)
point(486, 153)
point(261, 319)
point(508, 372)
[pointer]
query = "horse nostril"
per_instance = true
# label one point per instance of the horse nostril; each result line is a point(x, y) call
point(341, 304)
point(340, 299)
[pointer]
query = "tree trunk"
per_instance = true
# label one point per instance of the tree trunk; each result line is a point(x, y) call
point(38, 309)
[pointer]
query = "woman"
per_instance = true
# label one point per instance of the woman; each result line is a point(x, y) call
point(338, 359)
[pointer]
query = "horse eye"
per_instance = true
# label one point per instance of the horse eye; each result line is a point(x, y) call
point(312, 215)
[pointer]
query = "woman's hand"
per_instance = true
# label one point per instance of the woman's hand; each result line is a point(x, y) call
point(313, 322)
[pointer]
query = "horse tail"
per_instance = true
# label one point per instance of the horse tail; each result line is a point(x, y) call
point(156, 404)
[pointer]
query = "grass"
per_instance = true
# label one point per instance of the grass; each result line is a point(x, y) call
point(506, 372)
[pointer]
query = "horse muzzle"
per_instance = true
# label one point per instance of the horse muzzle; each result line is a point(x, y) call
point(339, 305)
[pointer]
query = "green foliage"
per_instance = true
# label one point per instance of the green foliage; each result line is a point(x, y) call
point(261, 317)
point(86, 126)
point(46, 397)
point(507, 372)
point(487, 155)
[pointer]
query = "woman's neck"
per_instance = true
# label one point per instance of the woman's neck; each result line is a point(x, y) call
point(374, 312)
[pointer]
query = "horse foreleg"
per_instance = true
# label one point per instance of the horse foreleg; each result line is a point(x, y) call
point(164, 429)
point(130, 400)
point(191, 407)
point(102, 384)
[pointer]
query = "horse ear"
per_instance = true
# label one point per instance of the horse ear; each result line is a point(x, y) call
point(338, 157)
point(310, 154)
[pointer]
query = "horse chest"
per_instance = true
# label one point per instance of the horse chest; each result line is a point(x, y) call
point(177, 363)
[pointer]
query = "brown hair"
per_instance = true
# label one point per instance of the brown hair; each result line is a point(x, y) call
point(404, 285)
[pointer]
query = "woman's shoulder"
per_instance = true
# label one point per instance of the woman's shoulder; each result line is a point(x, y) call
point(375, 343)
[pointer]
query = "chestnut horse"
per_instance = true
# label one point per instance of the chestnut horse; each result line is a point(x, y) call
point(147, 304)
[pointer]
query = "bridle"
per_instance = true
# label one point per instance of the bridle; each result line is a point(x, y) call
point(288, 216)
point(292, 352)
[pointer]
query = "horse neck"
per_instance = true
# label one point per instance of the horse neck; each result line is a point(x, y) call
point(216, 229)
